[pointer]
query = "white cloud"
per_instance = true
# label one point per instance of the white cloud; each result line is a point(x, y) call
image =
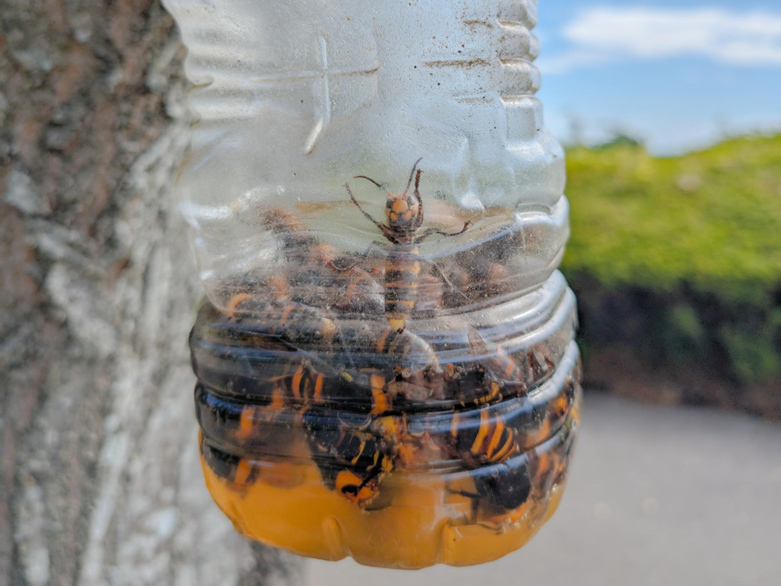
point(604, 34)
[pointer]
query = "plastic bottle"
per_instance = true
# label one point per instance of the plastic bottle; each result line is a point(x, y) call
point(386, 362)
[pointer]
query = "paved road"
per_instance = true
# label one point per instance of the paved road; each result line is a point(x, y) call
point(658, 496)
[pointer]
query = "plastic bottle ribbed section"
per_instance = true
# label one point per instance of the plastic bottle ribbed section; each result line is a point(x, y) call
point(386, 361)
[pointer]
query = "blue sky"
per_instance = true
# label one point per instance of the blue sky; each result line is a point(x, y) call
point(678, 74)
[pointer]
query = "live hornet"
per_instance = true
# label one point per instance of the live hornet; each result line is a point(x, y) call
point(404, 217)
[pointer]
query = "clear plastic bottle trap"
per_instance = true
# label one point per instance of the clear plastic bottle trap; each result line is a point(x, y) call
point(386, 365)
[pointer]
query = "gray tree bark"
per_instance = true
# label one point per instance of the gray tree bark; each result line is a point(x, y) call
point(100, 481)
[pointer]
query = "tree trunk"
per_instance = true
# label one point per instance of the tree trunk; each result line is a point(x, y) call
point(100, 481)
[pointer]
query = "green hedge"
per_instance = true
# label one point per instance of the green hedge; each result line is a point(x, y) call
point(681, 257)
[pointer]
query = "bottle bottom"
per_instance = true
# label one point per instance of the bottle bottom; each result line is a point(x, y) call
point(423, 518)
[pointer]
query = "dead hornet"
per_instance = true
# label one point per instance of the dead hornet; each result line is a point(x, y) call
point(298, 244)
point(403, 363)
point(313, 273)
point(232, 431)
point(499, 366)
point(238, 425)
point(353, 456)
point(481, 440)
point(363, 390)
point(353, 450)
point(489, 450)
point(294, 323)
point(548, 461)
point(404, 215)
point(502, 490)
point(490, 376)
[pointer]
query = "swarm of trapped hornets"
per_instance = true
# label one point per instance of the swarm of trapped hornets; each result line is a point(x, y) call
point(368, 396)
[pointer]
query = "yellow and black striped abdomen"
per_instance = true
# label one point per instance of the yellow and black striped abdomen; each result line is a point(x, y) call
point(489, 442)
point(303, 386)
point(351, 461)
point(402, 269)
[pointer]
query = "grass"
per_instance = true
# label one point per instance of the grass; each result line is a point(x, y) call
point(700, 233)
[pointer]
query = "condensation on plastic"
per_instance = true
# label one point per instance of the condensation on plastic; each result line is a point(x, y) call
point(406, 394)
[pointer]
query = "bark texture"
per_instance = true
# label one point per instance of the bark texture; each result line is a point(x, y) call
point(100, 481)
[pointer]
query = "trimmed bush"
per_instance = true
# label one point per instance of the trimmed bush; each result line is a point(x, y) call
point(681, 257)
